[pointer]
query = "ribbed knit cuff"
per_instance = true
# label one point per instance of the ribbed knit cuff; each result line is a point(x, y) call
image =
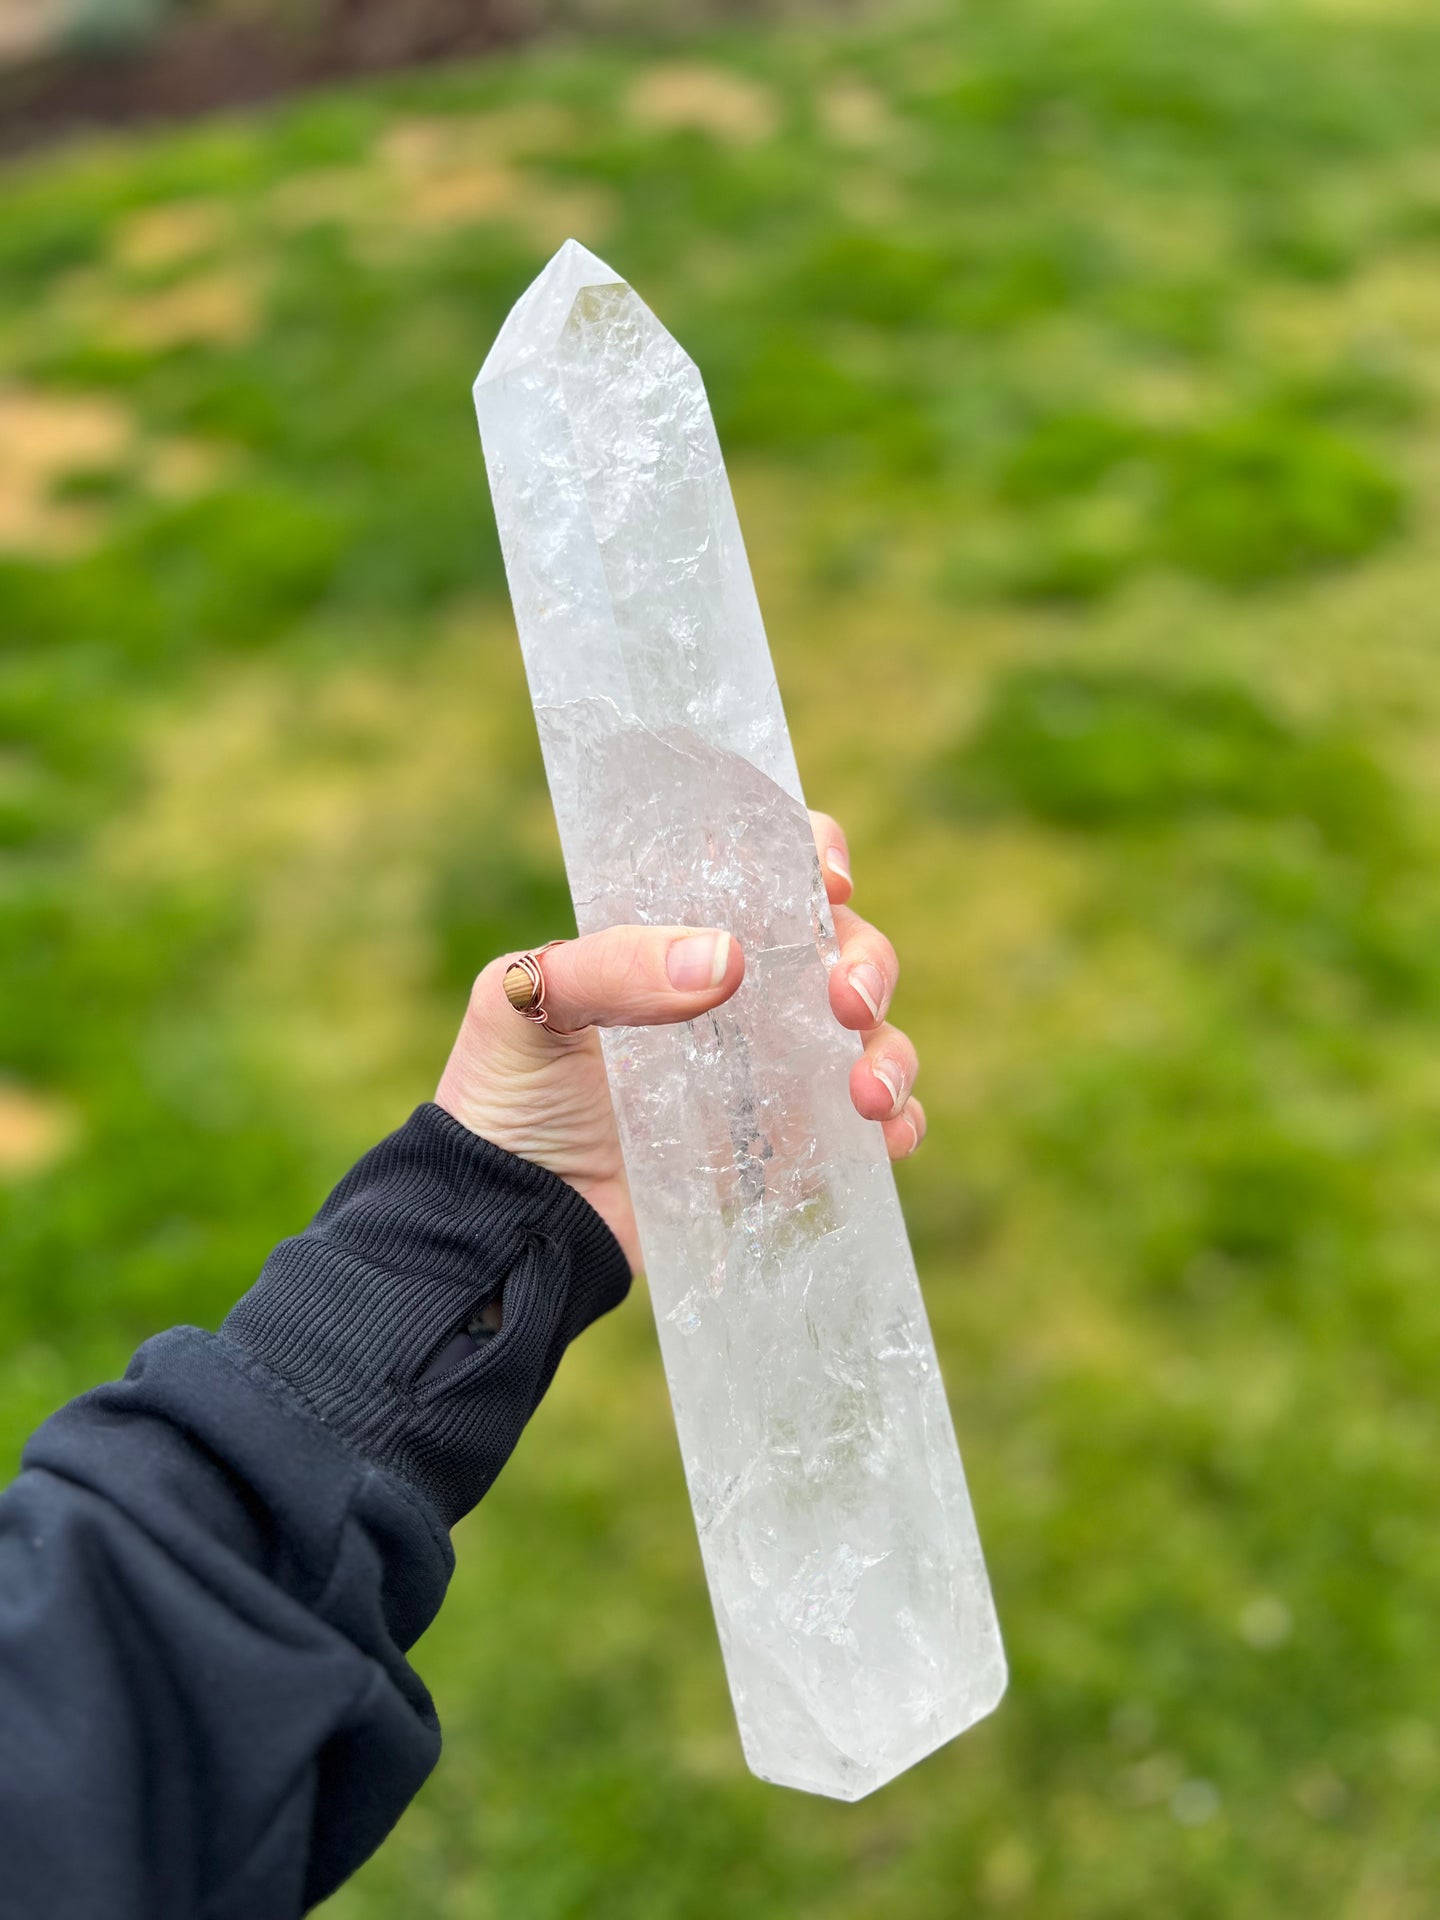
point(353, 1313)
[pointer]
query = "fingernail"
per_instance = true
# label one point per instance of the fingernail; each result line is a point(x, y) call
point(915, 1135)
point(891, 1078)
point(835, 861)
point(698, 962)
point(869, 983)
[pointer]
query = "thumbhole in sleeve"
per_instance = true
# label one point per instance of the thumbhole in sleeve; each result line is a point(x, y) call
point(482, 1324)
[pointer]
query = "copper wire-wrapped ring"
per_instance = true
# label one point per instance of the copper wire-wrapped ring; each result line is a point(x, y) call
point(524, 985)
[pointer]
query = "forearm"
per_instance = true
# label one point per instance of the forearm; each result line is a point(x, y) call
point(210, 1572)
point(205, 1601)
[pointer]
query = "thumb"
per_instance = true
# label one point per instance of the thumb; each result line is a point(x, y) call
point(637, 977)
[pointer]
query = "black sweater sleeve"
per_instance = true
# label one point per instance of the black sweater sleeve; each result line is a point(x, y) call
point(211, 1570)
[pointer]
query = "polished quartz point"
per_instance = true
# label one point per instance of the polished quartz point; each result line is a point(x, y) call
point(846, 1575)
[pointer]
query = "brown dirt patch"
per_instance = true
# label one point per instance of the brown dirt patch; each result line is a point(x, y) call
point(28, 27)
point(220, 60)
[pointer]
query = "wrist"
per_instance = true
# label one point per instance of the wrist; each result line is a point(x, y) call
point(353, 1313)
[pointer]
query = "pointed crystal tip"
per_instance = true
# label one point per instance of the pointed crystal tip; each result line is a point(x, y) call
point(537, 317)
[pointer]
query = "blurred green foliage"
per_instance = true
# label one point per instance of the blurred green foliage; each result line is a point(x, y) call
point(1134, 749)
point(1077, 368)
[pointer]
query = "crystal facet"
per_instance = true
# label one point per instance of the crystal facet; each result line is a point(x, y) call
point(846, 1575)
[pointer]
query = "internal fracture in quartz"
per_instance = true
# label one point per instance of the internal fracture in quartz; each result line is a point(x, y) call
point(839, 1544)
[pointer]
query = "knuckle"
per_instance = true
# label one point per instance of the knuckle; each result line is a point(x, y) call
point(621, 971)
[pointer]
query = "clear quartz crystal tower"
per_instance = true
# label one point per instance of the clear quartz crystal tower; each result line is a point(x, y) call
point(839, 1544)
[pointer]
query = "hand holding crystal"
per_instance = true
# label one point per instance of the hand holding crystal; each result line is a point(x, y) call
point(539, 1089)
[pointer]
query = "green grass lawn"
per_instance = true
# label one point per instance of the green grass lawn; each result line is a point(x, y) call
point(1078, 367)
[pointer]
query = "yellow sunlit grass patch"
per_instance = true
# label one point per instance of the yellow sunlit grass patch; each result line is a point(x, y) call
point(431, 175)
point(45, 437)
point(855, 115)
point(492, 191)
point(341, 195)
point(213, 309)
point(35, 1131)
point(171, 234)
point(1391, 304)
point(317, 799)
point(456, 198)
point(423, 147)
point(685, 97)
point(49, 438)
point(179, 468)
